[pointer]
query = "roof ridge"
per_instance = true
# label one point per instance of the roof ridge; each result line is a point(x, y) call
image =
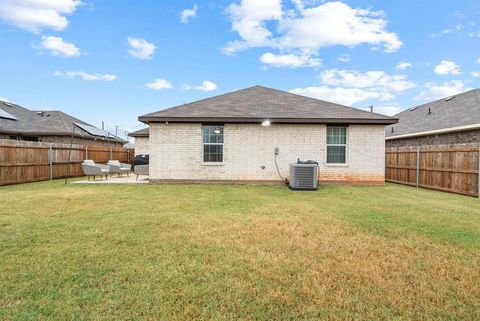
point(437, 100)
point(268, 88)
point(201, 100)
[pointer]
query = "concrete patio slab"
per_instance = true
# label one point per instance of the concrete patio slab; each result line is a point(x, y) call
point(116, 180)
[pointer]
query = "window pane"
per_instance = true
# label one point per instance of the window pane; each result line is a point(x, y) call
point(209, 135)
point(336, 154)
point(336, 135)
point(213, 153)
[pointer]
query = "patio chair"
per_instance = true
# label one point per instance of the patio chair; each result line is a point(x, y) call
point(119, 168)
point(92, 169)
point(140, 170)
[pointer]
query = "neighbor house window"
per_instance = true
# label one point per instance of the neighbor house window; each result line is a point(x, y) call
point(212, 143)
point(336, 145)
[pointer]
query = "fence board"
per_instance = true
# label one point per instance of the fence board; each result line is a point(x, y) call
point(451, 168)
point(22, 162)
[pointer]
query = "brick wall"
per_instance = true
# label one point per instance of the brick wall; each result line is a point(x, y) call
point(464, 137)
point(176, 152)
point(141, 145)
point(78, 141)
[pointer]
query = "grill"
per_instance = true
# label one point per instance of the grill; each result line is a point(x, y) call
point(141, 159)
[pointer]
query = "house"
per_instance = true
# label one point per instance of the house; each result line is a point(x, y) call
point(141, 140)
point(255, 133)
point(452, 120)
point(52, 126)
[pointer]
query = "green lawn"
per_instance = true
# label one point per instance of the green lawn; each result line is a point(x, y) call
point(198, 252)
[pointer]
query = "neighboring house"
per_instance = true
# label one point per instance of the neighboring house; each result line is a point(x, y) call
point(452, 120)
point(51, 126)
point(255, 133)
point(141, 141)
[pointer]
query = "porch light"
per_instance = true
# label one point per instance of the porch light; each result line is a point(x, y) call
point(266, 123)
point(217, 130)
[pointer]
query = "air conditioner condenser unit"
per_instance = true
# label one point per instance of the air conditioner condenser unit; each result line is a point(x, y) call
point(304, 176)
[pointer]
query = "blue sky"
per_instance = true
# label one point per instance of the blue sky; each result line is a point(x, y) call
point(115, 60)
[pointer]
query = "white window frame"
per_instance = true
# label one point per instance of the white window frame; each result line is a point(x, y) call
point(345, 145)
point(218, 144)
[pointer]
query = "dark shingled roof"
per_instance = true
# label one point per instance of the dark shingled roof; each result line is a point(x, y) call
point(51, 123)
point(144, 132)
point(257, 103)
point(456, 111)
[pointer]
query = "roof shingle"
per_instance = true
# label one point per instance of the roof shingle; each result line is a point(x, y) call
point(257, 103)
point(456, 111)
point(37, 123)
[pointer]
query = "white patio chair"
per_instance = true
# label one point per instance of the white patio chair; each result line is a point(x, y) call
point(140, 170)
point(92, 169)
point(119, 168)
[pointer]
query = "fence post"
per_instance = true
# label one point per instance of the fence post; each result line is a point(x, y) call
point(86, 152)
point(478, 184)
point(110, 153)
point(50, 161)
point(418, 166)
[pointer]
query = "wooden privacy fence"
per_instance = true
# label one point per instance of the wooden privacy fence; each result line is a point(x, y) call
point(22, 162)
point(451, 168)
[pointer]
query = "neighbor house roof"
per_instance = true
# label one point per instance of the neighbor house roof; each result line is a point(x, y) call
point(144, 132)
point(256, 104)
point(27, 122)
point(456, 113)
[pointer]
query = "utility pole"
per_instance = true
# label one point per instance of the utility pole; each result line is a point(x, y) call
point(116, 130)
point(103, 125)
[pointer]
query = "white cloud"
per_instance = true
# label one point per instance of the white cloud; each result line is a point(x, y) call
point(437, 91)
point(376, 80)
point(187, 14)
point(476, 74)
point(205, 86)
point(306, 30)
point(403, 65)
point(159, 84)
point(289, 60)
point(58, 47)
point(35, 15)
point(447, 67)
point(141, 48)
point(344, 96)
point(85, 76)
point(344, 58)
point(456, 28)
point(349, 87)
point(248, 19)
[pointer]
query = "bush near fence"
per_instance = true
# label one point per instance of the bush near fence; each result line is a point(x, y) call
point(450, 168)
point(22, 162)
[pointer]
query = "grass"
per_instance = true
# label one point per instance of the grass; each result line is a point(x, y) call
point(173, 252)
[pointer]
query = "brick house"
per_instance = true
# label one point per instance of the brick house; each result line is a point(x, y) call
point(141, 141)
point(452, 120)
point(52, 126)
point(255, 133)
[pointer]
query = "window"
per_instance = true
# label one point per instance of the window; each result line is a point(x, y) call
point(336, 145)
point(212, 143)
point(25, 138)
